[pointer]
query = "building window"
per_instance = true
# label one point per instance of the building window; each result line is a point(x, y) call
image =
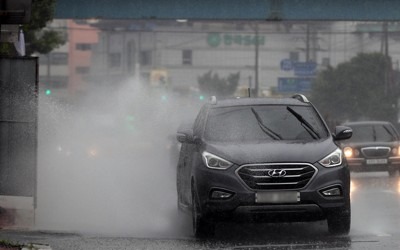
point(83, 46)
point(55, 82)
point(326, 61)
point(81, 21)
point(205, 26)
point(187, 57)
point(55, 58)
point(294, 56)
point(59, 58)
point(145, 58)
point(82, 70)
point(44, 59)
point(240, 26)
point(114, 60)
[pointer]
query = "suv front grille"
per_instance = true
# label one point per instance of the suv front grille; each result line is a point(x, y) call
point(276, 176)
point(376, 151)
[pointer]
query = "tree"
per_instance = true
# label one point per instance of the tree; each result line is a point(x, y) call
point(358, 89)
point(212, 84)
point(37, 38)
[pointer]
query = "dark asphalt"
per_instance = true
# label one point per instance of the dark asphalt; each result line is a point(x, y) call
point(375, 225)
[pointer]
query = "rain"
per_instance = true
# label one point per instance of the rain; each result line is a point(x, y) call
point(107, 138)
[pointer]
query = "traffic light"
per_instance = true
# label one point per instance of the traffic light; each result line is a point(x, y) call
point(47, 92)
point(201, 97)
point(130, 122)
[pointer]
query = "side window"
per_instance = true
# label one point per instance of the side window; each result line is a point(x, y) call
point(199, 122)
point(394, 131)
point(383, 134)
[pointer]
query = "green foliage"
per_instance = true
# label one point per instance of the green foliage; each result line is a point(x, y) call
point(9, 244)
point(355, 90)
point(6, 48)
point(38, 39)
point(212, 84)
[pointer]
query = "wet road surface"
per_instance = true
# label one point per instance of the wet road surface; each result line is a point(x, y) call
point(375, 225)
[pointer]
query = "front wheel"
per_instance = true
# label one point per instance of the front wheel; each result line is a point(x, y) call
point(339, 222)
point(201, 227)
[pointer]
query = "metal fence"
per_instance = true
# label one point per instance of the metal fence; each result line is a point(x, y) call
point(18, 126)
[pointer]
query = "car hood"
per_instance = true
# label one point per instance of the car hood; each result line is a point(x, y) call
point(370, 144)
point(276, 151)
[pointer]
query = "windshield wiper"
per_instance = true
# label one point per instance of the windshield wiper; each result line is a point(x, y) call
point(307, 126)
point(390, 132)
point(264, 128)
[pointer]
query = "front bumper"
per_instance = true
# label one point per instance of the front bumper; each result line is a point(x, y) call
point(364, 165)
point(242, 205)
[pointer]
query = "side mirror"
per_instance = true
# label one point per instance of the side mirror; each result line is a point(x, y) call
point(187, 138)
point(342, 133)
point(185, 133)
point(184, 137)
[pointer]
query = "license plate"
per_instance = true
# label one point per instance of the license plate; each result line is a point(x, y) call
point(278, 197)
point(376, 161)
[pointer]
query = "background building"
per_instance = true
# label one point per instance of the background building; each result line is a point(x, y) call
point(63, 72)
point(276, 57)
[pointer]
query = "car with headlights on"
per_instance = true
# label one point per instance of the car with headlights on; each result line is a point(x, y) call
point(262, 160)
point(374, 146)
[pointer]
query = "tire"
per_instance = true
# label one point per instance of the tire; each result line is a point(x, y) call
point(339, 221)
point(392, 171)
point(201, 227)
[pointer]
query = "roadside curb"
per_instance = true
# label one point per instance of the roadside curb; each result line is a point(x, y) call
point(36, 247)
point(27, 246)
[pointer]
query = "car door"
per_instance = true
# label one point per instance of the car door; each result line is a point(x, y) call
point(184, 166)
point(180, 175)
point(191, 151)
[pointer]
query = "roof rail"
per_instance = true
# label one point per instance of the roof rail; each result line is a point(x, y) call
point(300, 97)
point(213, 99)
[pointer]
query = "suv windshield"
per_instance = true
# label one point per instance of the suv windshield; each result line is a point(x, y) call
point(263, 122)
point(372, 133)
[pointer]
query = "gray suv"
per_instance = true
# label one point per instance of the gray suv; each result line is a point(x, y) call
point(262, 160)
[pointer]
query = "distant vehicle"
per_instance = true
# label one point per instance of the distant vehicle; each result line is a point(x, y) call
point(374, 146)
point(262, 159)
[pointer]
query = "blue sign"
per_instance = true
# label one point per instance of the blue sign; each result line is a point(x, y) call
point(300, 68)
point(294, 84)
point(305, 68)
point(286, 65)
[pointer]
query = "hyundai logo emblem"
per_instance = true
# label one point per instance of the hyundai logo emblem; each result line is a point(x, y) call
point(276, 173)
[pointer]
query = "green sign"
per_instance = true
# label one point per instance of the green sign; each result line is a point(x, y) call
point(218, 39)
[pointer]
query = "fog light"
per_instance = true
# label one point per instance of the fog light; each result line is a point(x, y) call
point(220, 194)
point(335, 191)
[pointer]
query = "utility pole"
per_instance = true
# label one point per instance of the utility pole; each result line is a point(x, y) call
point(48, 75)
point(385, 50)
point(256, 63)
point(307, 42)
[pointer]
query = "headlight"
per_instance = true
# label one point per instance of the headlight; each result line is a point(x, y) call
point(396, 151)
point(348, 152)
point(92, 152)
point(215, 162)
point(332, 160)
